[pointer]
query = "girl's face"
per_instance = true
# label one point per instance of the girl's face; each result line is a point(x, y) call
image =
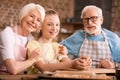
point(51, 26)
point(31, 22)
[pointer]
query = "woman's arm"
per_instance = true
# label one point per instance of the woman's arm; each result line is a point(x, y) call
point(7, 40)
point(15, 67)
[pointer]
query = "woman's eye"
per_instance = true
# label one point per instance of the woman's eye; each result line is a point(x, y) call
point(31, 16)
point(39, 20)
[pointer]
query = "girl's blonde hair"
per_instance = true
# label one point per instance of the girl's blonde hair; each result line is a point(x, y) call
point(51, 12)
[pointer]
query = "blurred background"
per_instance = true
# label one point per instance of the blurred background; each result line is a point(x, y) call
point(69, 11)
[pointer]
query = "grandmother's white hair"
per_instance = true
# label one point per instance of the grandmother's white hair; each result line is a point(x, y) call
point(99, 10)
point(25, 10)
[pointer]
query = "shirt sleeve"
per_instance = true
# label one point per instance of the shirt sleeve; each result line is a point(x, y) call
point(73, 43)
point(114, 43)
point(7, 43)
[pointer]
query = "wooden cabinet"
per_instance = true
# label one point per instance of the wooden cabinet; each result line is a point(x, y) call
point(68, 28)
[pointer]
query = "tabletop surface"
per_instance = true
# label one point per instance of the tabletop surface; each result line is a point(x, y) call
point(92, 74)
point(71, 74)
point(92, 70)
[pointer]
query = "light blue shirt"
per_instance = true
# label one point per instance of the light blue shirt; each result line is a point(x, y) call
point(74, 42)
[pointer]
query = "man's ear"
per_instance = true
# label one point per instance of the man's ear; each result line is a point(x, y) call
point(101, 19)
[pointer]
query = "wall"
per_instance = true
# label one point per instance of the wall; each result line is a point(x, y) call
point(105, 5)
point(116, 15)
point(9, 8)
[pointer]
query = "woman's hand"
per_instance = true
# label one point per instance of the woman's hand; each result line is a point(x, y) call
point(35, 55)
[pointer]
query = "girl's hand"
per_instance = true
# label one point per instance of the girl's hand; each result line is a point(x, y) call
point(63, 50)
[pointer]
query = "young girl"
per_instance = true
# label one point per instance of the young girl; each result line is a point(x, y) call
point(53, 55)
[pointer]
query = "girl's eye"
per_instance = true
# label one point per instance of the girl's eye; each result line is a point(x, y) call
point(57, 24)
point(49, 24)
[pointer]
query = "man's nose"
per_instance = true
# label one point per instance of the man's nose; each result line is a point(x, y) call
point(89, 21)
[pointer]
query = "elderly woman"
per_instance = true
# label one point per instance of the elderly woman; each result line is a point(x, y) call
point(13, 40)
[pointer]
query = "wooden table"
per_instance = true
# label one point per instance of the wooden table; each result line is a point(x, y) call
point(92, 70)
point(19, 77)
point(92, 74)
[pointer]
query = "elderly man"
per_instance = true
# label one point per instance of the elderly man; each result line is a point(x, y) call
point(100, 44)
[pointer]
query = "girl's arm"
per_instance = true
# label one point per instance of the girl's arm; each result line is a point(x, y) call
point(53, 66)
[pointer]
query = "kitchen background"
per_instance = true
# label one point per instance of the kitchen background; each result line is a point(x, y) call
point(69, 11)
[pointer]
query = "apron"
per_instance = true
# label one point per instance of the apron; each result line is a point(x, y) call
point(96, 50)
point(20, 47)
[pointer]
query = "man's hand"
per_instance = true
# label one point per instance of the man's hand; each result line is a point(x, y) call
point(82, 63)
point(106, 64)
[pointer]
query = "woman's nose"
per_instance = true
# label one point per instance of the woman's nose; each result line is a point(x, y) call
point(34, 21)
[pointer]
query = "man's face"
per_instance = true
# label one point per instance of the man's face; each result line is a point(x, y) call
point(92, 21)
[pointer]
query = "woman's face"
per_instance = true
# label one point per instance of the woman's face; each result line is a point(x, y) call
point(51, 26)
point(31, 22)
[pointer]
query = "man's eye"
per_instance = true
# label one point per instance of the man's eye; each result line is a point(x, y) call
point(86, 19)
point(93, 17)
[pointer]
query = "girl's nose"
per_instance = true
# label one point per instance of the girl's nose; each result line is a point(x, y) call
point(54, 26)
